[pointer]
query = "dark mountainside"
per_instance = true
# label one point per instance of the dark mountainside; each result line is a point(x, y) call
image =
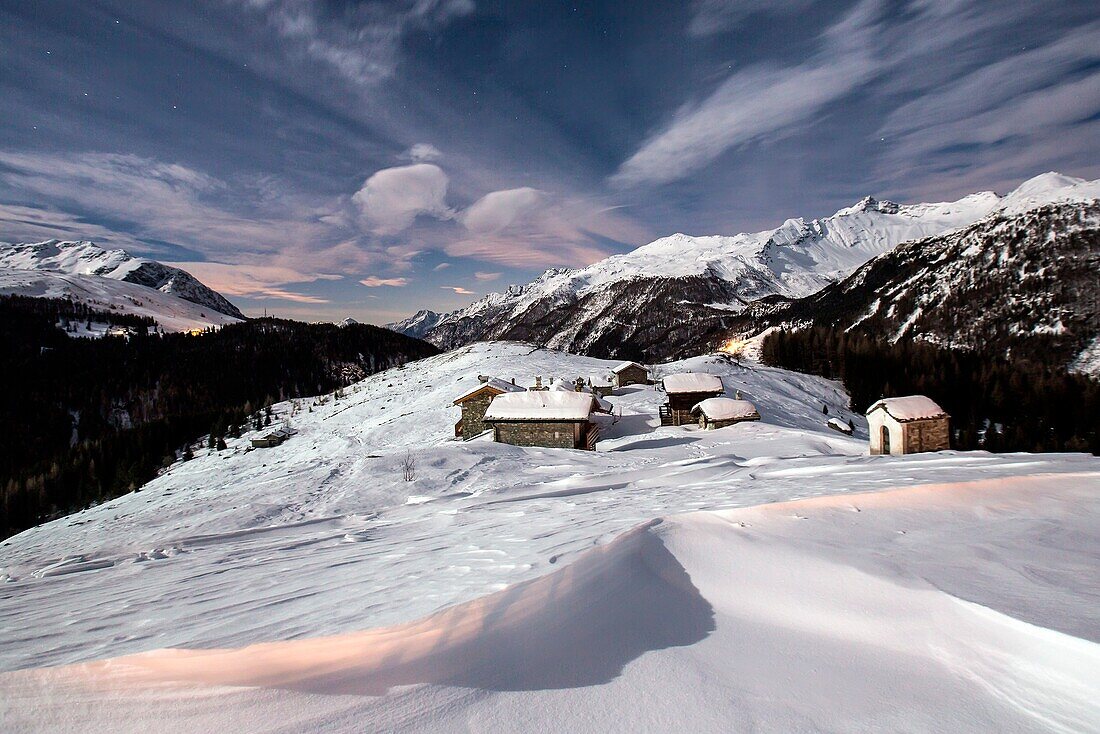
point(647, 319)
point(1025, 287)
point(89, 419)
point(995, 403)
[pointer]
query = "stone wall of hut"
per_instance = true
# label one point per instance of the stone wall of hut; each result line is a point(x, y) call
point(548, 434)
point(632, 376)
point(929, 435)
point(473, 415)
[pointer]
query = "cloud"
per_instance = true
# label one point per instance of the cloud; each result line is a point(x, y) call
point(391, 199)
point(254, 281)
point(997, 117)
point(457, 289)
point(526, 227)
point(372, 281)
point(423, 152)
point(441, 266)
point(486, 277)
point(500, 209)
point(715, 16)
point(756, 102)
point(360, 43)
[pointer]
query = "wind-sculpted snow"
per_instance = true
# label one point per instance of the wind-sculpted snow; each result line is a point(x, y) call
point(949, 607)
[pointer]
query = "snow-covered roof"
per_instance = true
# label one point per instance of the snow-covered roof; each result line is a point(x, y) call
point(601, 380)
point(625, 365)
point(494, 382)
point(725, 409)
point(840, 425)
point(551, 405)
point(909, 408)
point(693, 382)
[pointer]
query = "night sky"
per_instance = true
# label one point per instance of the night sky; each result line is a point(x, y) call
point(322, 159)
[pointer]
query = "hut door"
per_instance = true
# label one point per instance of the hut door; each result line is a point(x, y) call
point(885, 440)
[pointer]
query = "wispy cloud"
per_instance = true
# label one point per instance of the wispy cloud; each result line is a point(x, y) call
point(714, 16)
point(254, 281)
point(526, 227)
point(441, 266)
point(486, 277)
point(360, 42)
point(756, 102)
point(993, 120)
point(372, 281)
point(457, 289)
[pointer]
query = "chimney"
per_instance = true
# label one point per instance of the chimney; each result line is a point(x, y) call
point(538, 383)
point(513, 381)
point(738, 393)
point(483, 378)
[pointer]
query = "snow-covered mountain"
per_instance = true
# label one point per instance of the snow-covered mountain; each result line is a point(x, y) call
point(310, 587)
point(1024, 281)
point(171, 312)
point(643, 303)
point(87, 258)
point(419, 324)
point(667, 298)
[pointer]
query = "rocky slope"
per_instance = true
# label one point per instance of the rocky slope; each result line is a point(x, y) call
point(87, 258)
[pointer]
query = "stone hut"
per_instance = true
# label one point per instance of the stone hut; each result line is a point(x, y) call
point(550, 418)
point(722, 412)
point(630, 373)
point(685, 391)
point(602, 385)
point(474, 403)
point(908, 425)
point(273, 439)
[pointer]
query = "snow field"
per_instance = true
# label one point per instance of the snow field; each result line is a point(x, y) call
point(963, 607)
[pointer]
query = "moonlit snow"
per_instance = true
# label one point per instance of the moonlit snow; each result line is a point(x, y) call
point(767, 576)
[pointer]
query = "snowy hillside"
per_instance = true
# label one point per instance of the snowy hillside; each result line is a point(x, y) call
point(86, 258)
point(171, 312)
point(978, 595)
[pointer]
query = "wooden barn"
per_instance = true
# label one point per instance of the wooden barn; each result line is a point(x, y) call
point(630, 373)
point(908, 425)
point(551, 418)
point(474, 403)
point(685, 391)
point(722, 412)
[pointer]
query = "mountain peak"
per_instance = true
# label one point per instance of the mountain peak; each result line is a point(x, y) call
point(870, 204)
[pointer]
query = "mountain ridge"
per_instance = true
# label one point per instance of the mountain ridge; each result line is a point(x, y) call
point(655, 301)
point(85, 258)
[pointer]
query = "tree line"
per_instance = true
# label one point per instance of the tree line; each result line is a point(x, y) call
point(89, 419)
point(995, 403)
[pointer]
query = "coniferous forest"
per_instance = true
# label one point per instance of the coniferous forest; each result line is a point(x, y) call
point(995, 404)
point(89, 419)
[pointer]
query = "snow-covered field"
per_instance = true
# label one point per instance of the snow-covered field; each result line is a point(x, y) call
point(950, 592)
